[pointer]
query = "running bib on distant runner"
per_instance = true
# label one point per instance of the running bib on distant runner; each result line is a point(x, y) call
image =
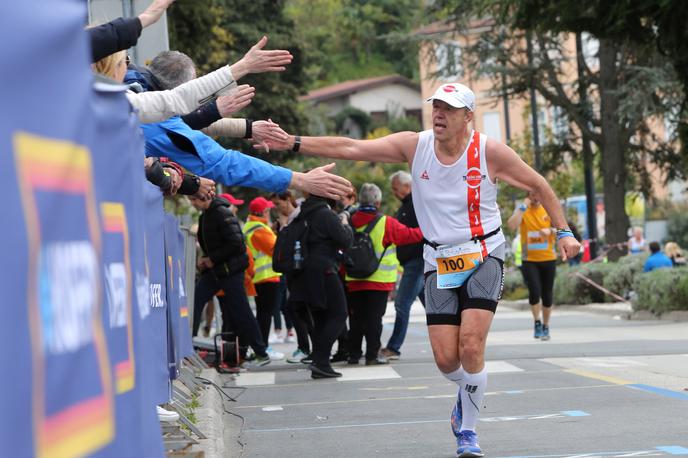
point(455, 263)
point(537, 241)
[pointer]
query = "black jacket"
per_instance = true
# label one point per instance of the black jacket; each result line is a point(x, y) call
point(117, 35)
point(407, 216)
point(326, 236)
point(221, 239)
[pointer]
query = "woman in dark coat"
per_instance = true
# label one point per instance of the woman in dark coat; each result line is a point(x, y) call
point(316, 292)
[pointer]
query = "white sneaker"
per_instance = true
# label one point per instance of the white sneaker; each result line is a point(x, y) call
point(276, 339)
point(296, 357)
point(167, 415)
point(273, 354)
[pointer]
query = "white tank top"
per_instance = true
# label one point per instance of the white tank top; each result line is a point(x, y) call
point(455, 202)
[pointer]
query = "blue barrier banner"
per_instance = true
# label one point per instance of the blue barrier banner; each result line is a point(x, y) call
point(155, 324)
point(72, 247)
point(173, 306)
point(185, 344)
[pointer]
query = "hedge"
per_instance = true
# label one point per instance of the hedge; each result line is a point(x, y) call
point(572, 290)
point(662, 290)
point(620, 279)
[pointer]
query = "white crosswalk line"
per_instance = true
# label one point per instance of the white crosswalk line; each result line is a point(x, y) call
point(498, 367)
point(255, 378)
point(367, 373)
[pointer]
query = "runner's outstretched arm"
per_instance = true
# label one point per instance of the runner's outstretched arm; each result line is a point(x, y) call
point(504, 164)
point(398, 147)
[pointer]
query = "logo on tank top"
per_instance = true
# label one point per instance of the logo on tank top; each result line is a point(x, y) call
point(425, 176)
point(473, 177)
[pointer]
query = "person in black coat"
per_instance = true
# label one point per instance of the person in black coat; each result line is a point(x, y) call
point(222, 268)
point(317, 293)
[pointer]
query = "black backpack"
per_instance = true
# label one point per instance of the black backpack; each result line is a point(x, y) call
point(360, 260)
point(284, 259)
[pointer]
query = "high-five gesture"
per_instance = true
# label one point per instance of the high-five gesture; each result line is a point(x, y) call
point(236, 100)
point(259, 60)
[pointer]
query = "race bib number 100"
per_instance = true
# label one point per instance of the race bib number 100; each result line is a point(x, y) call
point(455, 263)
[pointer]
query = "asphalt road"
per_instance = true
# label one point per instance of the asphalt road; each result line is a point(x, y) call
point(601, 387)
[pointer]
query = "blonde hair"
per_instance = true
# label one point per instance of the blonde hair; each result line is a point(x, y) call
point(672, 250)
point(107, 65)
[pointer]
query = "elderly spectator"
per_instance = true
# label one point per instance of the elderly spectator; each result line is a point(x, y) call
point(657, 259)
point(411, 259)
point(199, 153)
point(183, 99)
point(368, 296)
point(637, 244)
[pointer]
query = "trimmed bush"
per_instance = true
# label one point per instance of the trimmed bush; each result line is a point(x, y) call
point(662, 290)
point(620, 279)
point(572, 290)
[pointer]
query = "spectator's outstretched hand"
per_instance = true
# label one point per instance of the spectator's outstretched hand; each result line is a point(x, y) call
point(274, 138)
point(258, 60)
point(206, 190)
point(236, 101)
point(153, 13)
point(266, 132)
point(320, 182)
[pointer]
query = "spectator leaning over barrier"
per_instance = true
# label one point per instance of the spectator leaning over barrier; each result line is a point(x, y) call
point(538, 251)
point(316, 292)
point(185, 98)
point(288, 209)
point(202, 155)
point(657, 260)
point(367, 297)
point(675, 253)
point(260, 240)
point(411, 259)
point(222, 268)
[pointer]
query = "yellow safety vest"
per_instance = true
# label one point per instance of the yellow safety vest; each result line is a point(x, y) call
point(387, 270)
point(263, 262)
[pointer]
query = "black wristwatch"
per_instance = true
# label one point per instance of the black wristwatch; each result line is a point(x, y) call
point(297, 144)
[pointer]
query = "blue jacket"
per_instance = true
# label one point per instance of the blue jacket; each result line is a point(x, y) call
point(657, 261)
point(202, 155)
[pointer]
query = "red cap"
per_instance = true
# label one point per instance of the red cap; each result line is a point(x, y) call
point(231, 199)
point(259, 205)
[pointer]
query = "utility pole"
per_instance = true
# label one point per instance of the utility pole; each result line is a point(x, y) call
point(505, 96)
point(591, 216)
point(533, 108)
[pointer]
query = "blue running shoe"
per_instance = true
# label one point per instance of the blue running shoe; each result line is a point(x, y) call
point(468, 445)
point(538, 329)
point(455, 418)
point(545, 333)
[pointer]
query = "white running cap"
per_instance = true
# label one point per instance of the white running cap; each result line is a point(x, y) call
point(456, 95)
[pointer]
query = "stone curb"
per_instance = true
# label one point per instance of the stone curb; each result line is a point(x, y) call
point(210, 419)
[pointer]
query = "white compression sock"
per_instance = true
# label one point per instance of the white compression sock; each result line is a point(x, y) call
point(472, 392)
point(456, 376)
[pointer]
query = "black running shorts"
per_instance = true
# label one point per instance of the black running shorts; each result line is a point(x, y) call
point(482, 290)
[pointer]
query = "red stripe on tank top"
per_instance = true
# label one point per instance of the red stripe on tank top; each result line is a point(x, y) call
point(473, 162)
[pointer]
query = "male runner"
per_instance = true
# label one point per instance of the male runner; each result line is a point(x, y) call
point(455, 171)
